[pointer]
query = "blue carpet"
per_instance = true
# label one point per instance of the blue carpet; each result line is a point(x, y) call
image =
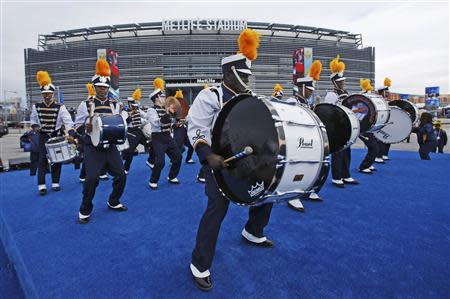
point(386, 238)
point(9, 284)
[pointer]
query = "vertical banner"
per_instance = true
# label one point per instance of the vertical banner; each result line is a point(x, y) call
point(298, 70)
point(308, 59)
point(112, 58)
point(60, 96)
point(431, 96)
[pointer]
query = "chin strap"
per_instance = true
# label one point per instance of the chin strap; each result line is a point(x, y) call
point(244, 86)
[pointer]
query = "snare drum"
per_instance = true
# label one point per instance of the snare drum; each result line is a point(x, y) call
point(371, 110)
point(408, 107)
point(108, 129)
point(290, 150)
point(341, 123)
point(397, 129)
point(60, 150)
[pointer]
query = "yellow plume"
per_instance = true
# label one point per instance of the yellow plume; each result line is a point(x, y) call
point(179, 94)
point(137, 94)
point(90, 89)
point(205, 86)
point(387, 82)
point(365, 84)
point(277, 87)
point(158, 83)
point(249, 43)
point(43, 78)
point(102, 68)
point(337, 66)
point(315, 70)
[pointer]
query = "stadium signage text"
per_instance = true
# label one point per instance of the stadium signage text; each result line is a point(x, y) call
point(199, 24)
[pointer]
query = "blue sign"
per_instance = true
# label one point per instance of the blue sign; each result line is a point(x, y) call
point(432, 90)
point(404, 96)
point(432, 102)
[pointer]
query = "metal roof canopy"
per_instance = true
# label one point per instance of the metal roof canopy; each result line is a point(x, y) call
point(134, 28)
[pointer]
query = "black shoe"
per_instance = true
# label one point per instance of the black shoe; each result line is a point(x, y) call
point(84, 220)
point(42, 191)
point(204, 284)
point(354, 182)
point(266, 244)
point(122, 208)
point(339, 185)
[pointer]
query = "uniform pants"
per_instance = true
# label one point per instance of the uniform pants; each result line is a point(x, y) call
point(209, 227)
point(163, 144)
point(181, 139)
point(340, 164)
point(372, 150)
point(425, 149)
point(135, 137)
point(383, 149)
point(34, 162)
point(94, 161)
point(55, 168)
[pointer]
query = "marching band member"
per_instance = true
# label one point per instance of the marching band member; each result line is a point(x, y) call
point(49, 116)
point(304, 89)
point(383, 149)
point(277, 91)
point(180, 129)
point(368, 138)
point(134, 117)
point(160, 119)
point(236, 70)
point(98, 158)
point(340, 161)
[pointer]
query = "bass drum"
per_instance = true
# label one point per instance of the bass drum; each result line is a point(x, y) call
point(397, 129)
point(371, 110)
point(290, 150)
point(341, 124)
point(408, 107)
point(108, 129)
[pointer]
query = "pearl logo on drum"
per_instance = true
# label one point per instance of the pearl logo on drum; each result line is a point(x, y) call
point(256, 190)
point(302, 143)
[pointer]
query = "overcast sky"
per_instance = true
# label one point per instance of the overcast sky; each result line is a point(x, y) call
point(411, 39)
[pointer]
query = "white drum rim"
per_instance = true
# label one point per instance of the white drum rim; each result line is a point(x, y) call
point(394, 108)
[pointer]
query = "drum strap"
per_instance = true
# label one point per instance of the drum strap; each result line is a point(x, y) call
point(217, 94)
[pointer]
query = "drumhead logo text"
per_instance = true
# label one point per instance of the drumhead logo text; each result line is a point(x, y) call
point(256, 190)
point(302, 143)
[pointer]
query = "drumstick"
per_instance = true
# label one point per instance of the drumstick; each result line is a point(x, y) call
point(246, 152)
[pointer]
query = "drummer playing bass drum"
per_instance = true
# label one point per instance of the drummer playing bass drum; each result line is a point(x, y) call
point(49, 116)
point(96, 158)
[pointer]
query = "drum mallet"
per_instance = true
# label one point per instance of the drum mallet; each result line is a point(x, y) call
point(245, 153)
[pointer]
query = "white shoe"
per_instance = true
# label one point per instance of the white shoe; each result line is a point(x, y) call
point(103, 177)
point(372, 168)
point(367, 170)
point(337, 182)
point(314, 196)
point(379, 160)
point(149, 164)
point(82, 180)
point(190, 161)
point(296, 204)
point(42, 187)
point(153, 185)
point(201, 180)
point(251, 237)
point(385, 158)
point(126, 172)
point(173, 181)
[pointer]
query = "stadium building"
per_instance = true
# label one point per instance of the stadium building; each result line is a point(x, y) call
point(187, 54)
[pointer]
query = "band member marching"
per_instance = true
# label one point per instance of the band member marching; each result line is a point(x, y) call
point(340, 161)
point(135, 120)
point(160, 118)
point(368, 138)
point(277, 91)
point(49, 116)
point(180, 129)
point(304, 88)
point(383, 149)
point(101, 157)
point(236, 70)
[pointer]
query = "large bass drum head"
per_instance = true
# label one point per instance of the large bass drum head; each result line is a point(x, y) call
point(364, 109)
point(408, 107)
point(337, 123)
point(246, 121)
point(397, 129)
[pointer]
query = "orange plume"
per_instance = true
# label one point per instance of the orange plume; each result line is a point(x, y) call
point(90, 89)
point(365, 84)
point(249, 43)
point(102, 68)
point(43, 78)
point(387, 82)
point(158, 83)
point(179, 94)
point(137, 94)
point(337, 66)
point(315, 70)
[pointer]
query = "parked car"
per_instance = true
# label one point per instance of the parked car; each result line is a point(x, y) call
point(3, 128)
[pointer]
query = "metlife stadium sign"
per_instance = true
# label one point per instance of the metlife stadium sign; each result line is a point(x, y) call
point(200, 24)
